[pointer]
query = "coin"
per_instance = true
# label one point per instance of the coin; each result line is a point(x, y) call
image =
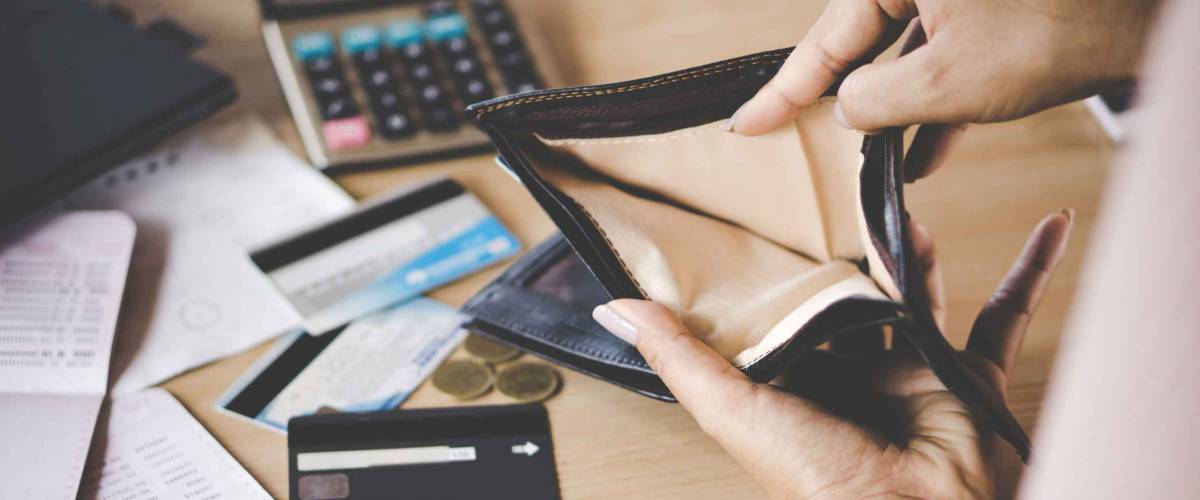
point(490, 350)
point(463, 378)
point(527, 382)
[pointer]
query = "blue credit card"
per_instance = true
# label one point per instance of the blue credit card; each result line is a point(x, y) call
point(387, 251)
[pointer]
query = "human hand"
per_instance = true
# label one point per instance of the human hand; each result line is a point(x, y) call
point(853, 425)
point(985, 61)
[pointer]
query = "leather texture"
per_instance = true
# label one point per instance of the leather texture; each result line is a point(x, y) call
point(555, 321)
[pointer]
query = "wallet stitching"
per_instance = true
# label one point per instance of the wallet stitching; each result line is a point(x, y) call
point(709, 127)
point(611, 247)
point(559, 341)
point(688, 75)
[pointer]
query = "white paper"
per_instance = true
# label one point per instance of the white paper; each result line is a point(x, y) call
point(61, 282)
point(151, 448)
point(200, 202)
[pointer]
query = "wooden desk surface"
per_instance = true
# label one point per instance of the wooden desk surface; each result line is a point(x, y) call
point(608, 441)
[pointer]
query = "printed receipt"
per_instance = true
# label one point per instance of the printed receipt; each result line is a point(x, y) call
point(151, 448)
point(61, 283)
point(375, 362)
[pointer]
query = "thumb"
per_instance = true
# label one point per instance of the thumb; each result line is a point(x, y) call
point(711, 389)
point(768, 431)
point(908, 90)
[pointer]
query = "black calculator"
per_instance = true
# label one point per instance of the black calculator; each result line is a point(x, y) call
point(384, 82)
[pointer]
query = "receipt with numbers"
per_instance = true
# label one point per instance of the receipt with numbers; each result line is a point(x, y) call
point(61, 282)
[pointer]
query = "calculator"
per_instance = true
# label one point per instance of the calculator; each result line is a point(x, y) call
point(384, 82)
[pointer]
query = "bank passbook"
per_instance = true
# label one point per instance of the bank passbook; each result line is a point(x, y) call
point(388, 250)
point(445, 453)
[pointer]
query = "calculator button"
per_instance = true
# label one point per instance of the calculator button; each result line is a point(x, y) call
point(385, 101)
point(368, 58)
point(464, 67)
point(308, 46)
point(512, 61)
point(404, 32)
point(446, 26)
point(395, 124)
point(429, 94)
point(413, 51)
point(458, 45)
point(420, 72)
point(346, 133)
point(475, 89)
point(337, 108)
point(439, 8)
point(504, 39)
point(494, 20)
point(523, 86)
point(377, 78)
point(317, 67)
point(487, 4)
point(361, 39)
point(329, 86)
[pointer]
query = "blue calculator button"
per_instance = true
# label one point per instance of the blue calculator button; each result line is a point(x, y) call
point(448, 26)
point(401, 33)
point(311, 45)
point(360, 38)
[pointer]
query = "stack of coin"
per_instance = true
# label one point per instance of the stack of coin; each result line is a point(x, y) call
point(470, 378)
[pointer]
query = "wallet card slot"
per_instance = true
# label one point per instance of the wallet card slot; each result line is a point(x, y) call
point(548, 320)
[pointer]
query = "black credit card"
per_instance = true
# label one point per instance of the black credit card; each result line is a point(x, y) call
point(443, 453)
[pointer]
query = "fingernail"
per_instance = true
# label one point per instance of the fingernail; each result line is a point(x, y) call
point(1070, 213)
point(728, 124)
point(839, 116)
point(615, 324)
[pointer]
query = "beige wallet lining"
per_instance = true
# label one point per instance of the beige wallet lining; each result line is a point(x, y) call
point(745, 238)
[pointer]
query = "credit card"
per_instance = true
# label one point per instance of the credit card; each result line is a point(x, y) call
point(467, 452)
point(386, 251)
point(373, 363)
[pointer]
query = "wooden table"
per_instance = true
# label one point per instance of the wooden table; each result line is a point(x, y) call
point(610, 442)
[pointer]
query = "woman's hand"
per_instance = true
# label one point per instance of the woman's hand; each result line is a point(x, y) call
point(985, 61)
point(853, 425)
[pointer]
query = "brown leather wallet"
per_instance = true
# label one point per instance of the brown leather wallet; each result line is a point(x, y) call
point(765, 247)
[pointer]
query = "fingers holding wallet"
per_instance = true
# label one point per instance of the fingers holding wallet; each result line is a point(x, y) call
point(722, 399)
point(846, 33)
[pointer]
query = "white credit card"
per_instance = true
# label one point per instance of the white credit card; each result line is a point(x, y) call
point(371, 364)
point(385, 252)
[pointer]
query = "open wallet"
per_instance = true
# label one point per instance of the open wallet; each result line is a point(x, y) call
point(765, 247)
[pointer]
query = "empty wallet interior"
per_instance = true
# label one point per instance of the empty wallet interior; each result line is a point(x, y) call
point(747, 239)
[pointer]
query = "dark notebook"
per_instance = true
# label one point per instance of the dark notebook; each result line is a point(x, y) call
point(81, 91)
